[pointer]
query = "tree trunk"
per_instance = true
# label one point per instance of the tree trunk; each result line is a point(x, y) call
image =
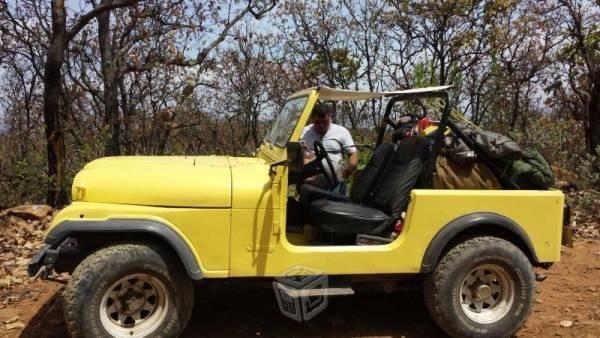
point(515, 108)
point(126, 109)
point(593, 132)
point(111, 103)
point(57, 194)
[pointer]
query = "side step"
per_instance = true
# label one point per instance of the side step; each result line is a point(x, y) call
point(301, 293)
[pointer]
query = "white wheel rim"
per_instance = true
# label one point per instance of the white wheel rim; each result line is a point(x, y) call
point(134, 306)
point(487, 293)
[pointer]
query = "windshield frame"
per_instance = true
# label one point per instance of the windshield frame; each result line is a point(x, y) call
point(286, 122)
point(273, 152)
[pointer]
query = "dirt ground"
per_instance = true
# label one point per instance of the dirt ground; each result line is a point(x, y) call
point(571, 292)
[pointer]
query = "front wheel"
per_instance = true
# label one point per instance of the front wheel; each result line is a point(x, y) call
point(482, 287)
point(128, 290)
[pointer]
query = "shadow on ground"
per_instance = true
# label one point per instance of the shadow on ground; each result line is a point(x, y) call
point(252, 311)
point(48, 321)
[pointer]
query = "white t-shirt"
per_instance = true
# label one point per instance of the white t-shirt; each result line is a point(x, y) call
point(337, 141)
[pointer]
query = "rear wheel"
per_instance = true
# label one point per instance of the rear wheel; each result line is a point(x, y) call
point(128, 290)
point(482, 287)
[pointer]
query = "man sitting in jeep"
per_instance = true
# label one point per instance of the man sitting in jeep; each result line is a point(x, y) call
point(336, 140)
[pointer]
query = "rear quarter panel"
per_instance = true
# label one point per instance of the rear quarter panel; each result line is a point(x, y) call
point(538, 213)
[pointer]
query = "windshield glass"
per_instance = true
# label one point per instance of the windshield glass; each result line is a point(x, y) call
point(282, 129)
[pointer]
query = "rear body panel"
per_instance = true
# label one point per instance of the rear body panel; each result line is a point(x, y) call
point(538, 213)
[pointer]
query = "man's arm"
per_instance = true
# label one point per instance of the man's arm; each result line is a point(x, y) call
point(352, 164)
point(351, 152)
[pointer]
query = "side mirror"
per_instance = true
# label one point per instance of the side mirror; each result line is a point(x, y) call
point(294, 161)
point(295, 155)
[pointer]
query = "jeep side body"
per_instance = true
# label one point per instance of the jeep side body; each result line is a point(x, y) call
point(142, 229)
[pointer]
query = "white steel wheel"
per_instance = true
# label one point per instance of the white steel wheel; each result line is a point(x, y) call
point(487, 293)
point(128, 290)
point(482, 287)
point(134, 306)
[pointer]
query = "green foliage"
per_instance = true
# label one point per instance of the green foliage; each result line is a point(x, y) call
point(561, 143)
point(426, 74)
point(364, 154)
point(363, 157)
point(338, 64)
point(24, 179)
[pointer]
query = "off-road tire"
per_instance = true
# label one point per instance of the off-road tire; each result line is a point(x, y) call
point(443, 288)
point(95, 274)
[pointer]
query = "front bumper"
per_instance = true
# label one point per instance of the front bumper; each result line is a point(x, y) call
point(56, 255)
point(42, 263)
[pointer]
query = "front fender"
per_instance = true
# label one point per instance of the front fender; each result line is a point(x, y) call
point(69, 228)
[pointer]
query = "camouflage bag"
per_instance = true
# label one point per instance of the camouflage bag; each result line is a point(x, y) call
point(451, 175)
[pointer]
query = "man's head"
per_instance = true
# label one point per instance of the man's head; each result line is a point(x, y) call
point(321, 117)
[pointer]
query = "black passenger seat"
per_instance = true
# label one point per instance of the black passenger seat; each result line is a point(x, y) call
point(374, 208)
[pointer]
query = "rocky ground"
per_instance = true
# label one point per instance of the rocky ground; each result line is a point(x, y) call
point(585, 214)
point(568, 301)
point(21, 235)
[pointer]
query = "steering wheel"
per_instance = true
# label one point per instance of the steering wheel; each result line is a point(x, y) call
point(321, 154)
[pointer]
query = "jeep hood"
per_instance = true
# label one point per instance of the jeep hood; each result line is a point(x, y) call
point(174, 181)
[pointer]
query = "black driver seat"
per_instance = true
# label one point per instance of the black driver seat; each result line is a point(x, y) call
point(384, 204)
point(363, 183)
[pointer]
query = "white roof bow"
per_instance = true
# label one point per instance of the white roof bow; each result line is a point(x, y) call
point(334, 94)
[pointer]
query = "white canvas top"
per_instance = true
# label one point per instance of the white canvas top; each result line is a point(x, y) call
point(333, 94)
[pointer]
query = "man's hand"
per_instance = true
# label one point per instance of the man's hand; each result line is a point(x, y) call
point(349, 171)
point(352, 165)
point(307, 154)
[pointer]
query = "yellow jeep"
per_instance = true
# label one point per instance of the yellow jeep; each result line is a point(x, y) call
point(141, 230)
